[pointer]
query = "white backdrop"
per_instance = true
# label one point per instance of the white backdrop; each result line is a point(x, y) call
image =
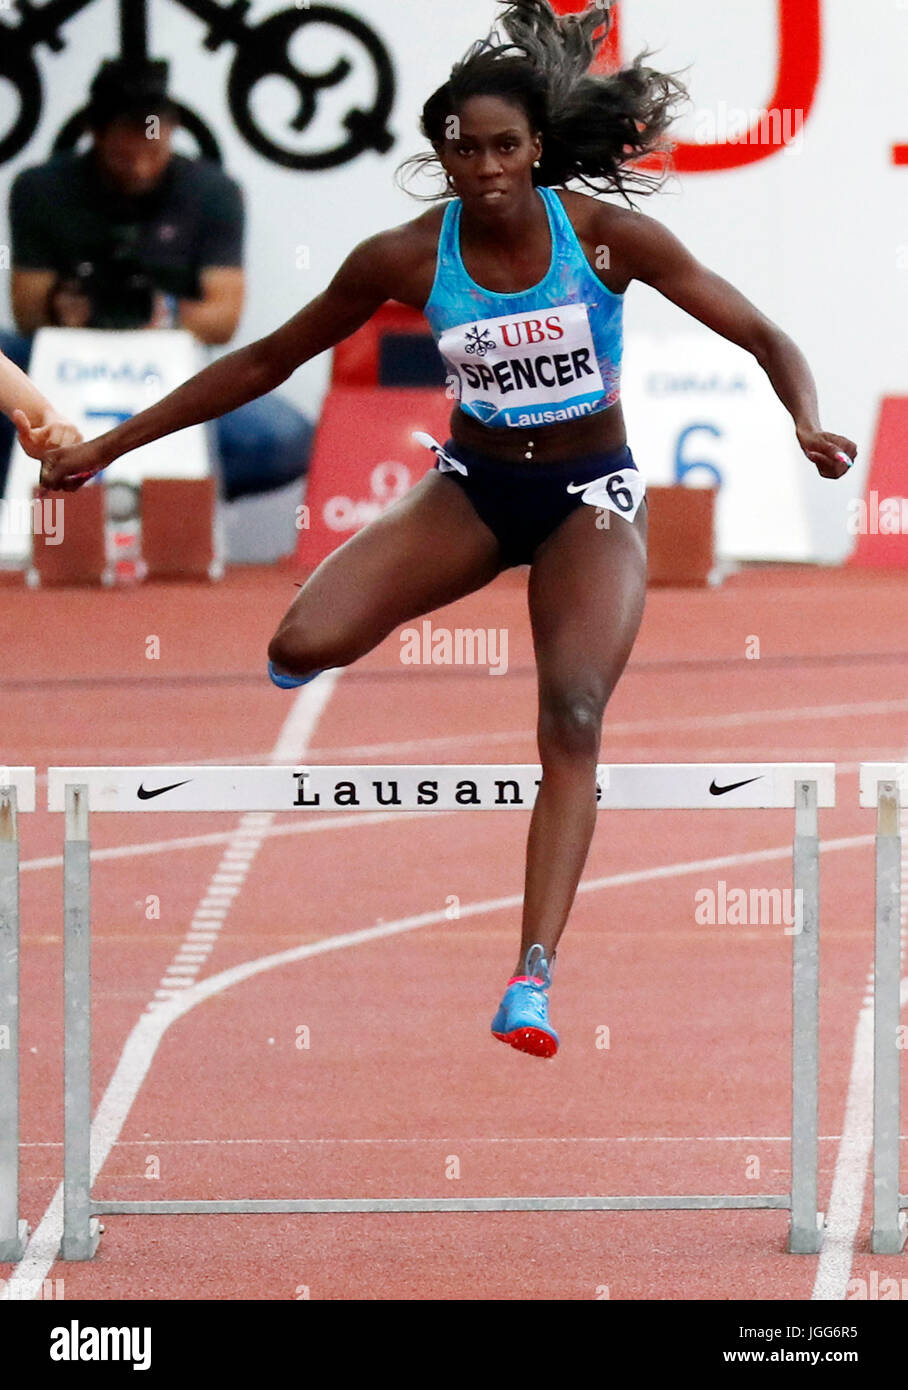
point(815, 235)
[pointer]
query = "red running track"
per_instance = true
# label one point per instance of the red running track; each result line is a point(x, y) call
point(402, 1091)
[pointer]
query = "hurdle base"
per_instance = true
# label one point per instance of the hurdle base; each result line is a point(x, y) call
point(806, 1240)
point(80, 1248)
point(889, 1240)
point(11, 1251)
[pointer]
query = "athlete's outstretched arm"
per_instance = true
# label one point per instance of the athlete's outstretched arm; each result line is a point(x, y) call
point(655, 256)
point(366, 279)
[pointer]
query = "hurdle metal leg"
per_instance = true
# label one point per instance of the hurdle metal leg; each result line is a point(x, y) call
point(13, 1232)
point(888, 1232)
point(807, 1223)
point(80, 1228)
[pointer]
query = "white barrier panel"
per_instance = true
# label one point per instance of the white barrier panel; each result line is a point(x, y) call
point(97, 379)
point(23, 779)
point(627, 786)
point(701, 411)
point(872, 773)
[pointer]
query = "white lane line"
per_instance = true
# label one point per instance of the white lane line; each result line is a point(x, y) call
point(142, 1044)
point(794, 714)
point(311, 825)
point(846, 1202)
point(328, 821)
point(471, 1139)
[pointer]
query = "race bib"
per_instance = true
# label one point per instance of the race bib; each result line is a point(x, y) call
point(620, 492)
point(526, 369)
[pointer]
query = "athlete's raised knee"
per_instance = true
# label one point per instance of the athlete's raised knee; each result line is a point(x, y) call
point(292, 653)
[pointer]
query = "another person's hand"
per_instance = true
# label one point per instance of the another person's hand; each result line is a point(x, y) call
point(832, 454)
point(38, 440)
point(66, 469)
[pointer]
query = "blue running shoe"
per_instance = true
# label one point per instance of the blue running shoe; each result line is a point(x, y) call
point(289, 682)
point(523, 1014)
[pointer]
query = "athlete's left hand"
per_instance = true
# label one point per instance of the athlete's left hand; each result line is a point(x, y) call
point(832, 454)
point(37, 440)
point(67, 469)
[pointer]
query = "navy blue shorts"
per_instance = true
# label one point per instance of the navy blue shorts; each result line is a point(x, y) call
point(523, 503)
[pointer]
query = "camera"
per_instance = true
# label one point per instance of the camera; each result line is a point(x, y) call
point(118, 286)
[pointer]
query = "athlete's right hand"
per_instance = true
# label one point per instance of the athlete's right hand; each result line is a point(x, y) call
point(67, 469)
point(832, 454)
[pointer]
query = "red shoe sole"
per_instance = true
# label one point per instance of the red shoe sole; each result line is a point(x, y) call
point(532, 1040)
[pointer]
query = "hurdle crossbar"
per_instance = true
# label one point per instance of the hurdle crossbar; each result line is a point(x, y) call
point(884, 786)
point(441, 787)
point(17, 793)
point(79, 791)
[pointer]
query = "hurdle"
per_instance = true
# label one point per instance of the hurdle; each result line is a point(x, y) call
point(78, 792)
point(881, 787)
point(17, 793)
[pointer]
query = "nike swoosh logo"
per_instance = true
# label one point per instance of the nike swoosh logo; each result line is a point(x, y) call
point(579, 487)
point(732, 786)
point(144, 795)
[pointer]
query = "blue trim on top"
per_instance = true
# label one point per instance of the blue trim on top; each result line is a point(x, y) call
point(508, 294)
point(570, 234)
point(444, 237)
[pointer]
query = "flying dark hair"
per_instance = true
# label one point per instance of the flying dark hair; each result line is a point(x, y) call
point(593, 127)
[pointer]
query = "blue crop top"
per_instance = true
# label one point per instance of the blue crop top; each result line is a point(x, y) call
point(546, 354)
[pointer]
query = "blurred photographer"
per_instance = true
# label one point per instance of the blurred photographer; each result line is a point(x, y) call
point(131, 235)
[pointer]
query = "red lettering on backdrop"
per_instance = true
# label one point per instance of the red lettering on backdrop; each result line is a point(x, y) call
point(797, 76)
point(554, 326)
point(504, 333)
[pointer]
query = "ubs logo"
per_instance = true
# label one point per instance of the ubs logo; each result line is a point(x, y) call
point(479, 341)
point(266, 50)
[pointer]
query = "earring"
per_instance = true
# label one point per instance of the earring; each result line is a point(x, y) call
point(538, 164)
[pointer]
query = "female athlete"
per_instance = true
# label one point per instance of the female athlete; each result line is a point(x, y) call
point(513, 277)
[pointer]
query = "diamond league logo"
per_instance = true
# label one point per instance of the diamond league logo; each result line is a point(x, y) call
point(262, 51)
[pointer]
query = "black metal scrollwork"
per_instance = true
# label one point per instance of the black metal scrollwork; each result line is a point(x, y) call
point(262, 51)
